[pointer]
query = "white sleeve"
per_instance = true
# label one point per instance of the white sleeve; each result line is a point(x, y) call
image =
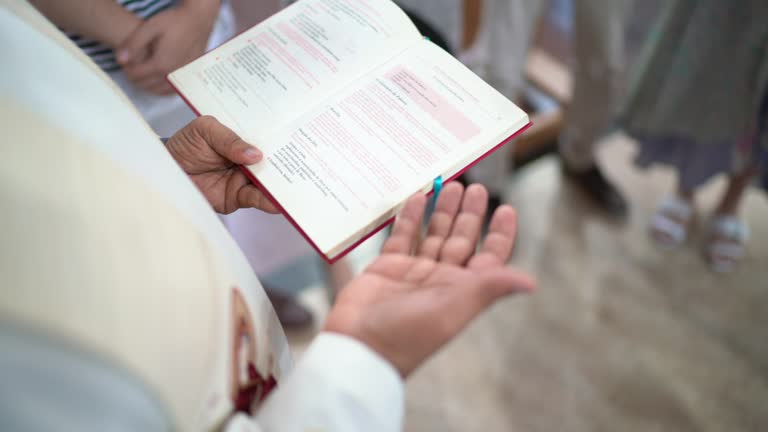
point(339, 385)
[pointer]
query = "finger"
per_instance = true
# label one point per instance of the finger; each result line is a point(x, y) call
point(465, 301)
point(405, 233)
point(149, 81)
point(249, 196)
point(138, 43)
point(155, 84)
point(461, 243)
point(500, 240)
point(161, 88)
point(143, 73)
point(226, 143)
point(496, 283)
point(441, 222)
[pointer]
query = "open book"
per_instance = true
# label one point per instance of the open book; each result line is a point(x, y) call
point(354, 110)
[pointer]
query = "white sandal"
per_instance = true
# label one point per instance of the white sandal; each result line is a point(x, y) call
point(727, 237)
point(669, 226)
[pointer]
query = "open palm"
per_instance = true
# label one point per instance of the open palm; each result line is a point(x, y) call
point(420, 293)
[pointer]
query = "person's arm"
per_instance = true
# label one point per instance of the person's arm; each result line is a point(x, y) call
point(411, 301)
point(407, 304)
point(339, 385)
point(105, 21)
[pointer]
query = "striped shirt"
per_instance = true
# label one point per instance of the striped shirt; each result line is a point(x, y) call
point(103, 55)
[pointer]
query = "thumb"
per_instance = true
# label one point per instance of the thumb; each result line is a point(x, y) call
point(503, 281)
point(249, 196)
point(137, 44)
point(227, 143)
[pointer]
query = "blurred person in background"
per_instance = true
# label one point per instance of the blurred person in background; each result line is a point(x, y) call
point(499, 55)
point(138, 42)
point(699, 103)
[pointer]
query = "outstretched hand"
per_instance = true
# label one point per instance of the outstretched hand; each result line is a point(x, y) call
point(210, 153)
point(420, 293)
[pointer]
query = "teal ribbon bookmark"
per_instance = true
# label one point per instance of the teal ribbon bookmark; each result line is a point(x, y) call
point(437, 187)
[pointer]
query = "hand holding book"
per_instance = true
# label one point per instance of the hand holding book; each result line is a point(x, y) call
point(210, 154)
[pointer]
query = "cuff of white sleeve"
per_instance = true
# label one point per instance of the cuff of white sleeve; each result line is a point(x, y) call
point(338, 385)
point(349, 357)
point(355, 368)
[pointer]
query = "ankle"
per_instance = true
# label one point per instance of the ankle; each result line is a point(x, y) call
point(575, 168)
point(726, 211)
point(685, 195)
point(728, 207)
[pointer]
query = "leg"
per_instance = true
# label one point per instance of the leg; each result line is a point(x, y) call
point(599, 58)
point(731, 200)
point(674, 216)
point(685, 194)
point(498, 55)
point(727, 233)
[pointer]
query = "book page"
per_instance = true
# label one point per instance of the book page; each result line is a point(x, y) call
point(343, 169)
point(273, 72)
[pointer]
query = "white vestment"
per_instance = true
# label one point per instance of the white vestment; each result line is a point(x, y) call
point(119, 286)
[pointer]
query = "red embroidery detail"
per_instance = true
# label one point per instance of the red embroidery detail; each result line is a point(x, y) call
point(257, 389)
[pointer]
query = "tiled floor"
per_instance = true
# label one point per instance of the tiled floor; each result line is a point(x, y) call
point(620, 337)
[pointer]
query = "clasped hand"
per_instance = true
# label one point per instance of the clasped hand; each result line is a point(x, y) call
point(165, 42)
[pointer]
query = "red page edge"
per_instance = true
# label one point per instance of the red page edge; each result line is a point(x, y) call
point(354, 245)
point(342, 254)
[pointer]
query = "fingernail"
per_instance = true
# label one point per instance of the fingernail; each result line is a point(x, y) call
point(532, 286)
point(252, 153)
point(123, 56)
